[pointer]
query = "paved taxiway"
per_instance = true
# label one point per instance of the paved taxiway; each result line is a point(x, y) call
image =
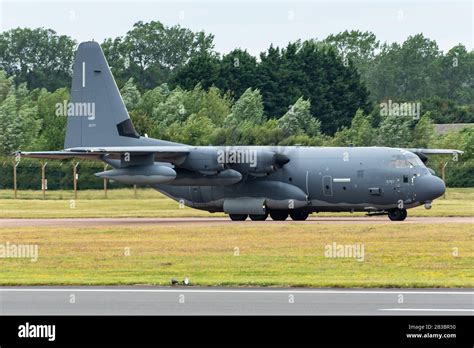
point(134, 300)
point(223, 221)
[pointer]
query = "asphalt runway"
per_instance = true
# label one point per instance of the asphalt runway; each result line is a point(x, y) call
point(134, 300)
point(223, 221)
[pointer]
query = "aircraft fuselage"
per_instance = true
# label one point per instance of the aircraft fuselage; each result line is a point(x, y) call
point(318, 179)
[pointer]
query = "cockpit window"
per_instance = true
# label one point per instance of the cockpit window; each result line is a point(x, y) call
point(414, 160)
point(406, 161)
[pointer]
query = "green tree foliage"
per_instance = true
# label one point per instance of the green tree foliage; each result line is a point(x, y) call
point(39, 57)
point(248, 108)
point(357, 46)
point(448, 111)
point(418, 70)
point(455, 81)
point(18, 125)
point(361, 132)
point(423, 133)
point(394, 131)
point(237, 72)
point(53, 130)
point(195, 130)
point(460, 169)
point(150, 51)
point(310, 93)
point(216, 106)
point(130, 94)
point(166, 114)
point(298, 120)
point(310, 69)
point(142, 123)
point(153, 97)
point(202, 69)
point(316, 72)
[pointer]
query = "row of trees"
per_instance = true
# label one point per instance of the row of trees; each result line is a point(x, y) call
point(176, 87)
point(339, 74)
point(203, 117)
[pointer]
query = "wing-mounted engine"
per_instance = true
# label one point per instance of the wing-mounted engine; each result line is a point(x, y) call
point(245, 160)
point(203, 160)
point(257, 162)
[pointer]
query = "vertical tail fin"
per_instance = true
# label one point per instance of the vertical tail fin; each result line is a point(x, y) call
point(96, 113)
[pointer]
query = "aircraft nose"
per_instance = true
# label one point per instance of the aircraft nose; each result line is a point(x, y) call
point(429, 187)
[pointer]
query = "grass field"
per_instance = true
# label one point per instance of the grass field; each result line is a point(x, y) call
point(292, 254)
point(150, 203)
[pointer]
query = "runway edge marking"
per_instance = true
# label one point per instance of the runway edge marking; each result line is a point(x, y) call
point(243, 291)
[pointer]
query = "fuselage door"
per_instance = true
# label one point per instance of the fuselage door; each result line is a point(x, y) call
point(196, 194)
point(327, 185)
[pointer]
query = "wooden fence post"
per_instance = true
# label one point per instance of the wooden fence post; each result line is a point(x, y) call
point(75, 179)
point(43, 178)
point(15, 164)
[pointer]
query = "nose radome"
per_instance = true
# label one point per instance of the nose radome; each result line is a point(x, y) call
point(430, 187)
point(440, 187)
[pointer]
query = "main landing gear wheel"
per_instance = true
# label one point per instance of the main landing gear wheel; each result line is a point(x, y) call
point(259, 217)
point(299, 215)
point(238, 217)
point(397, 214)
point(279, 215)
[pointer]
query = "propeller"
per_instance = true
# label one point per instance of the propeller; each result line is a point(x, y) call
point(280, 159)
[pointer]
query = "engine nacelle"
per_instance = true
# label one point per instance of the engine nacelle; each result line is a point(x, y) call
point(246, 160)
point(258, 162)
point(203, 160)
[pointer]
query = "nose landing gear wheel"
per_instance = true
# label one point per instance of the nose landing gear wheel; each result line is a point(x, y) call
point(238, 217)
point(299, 215)
point(279, 215)
point(397, 214)
point(259, 217)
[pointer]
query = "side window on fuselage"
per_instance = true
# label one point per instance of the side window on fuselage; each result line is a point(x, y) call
point(400, 161)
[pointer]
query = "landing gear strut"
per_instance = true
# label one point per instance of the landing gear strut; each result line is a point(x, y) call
point(397, 214)
point(238, 217)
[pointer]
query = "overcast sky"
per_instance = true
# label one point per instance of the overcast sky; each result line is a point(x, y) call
point(252, 25)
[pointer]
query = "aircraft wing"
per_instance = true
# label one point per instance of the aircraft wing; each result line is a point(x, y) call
point(424, 153)
point(435, 151)
point(162, 153)
point(57, 155)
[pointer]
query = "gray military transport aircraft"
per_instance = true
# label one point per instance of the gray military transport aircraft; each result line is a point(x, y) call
point(241, 181)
